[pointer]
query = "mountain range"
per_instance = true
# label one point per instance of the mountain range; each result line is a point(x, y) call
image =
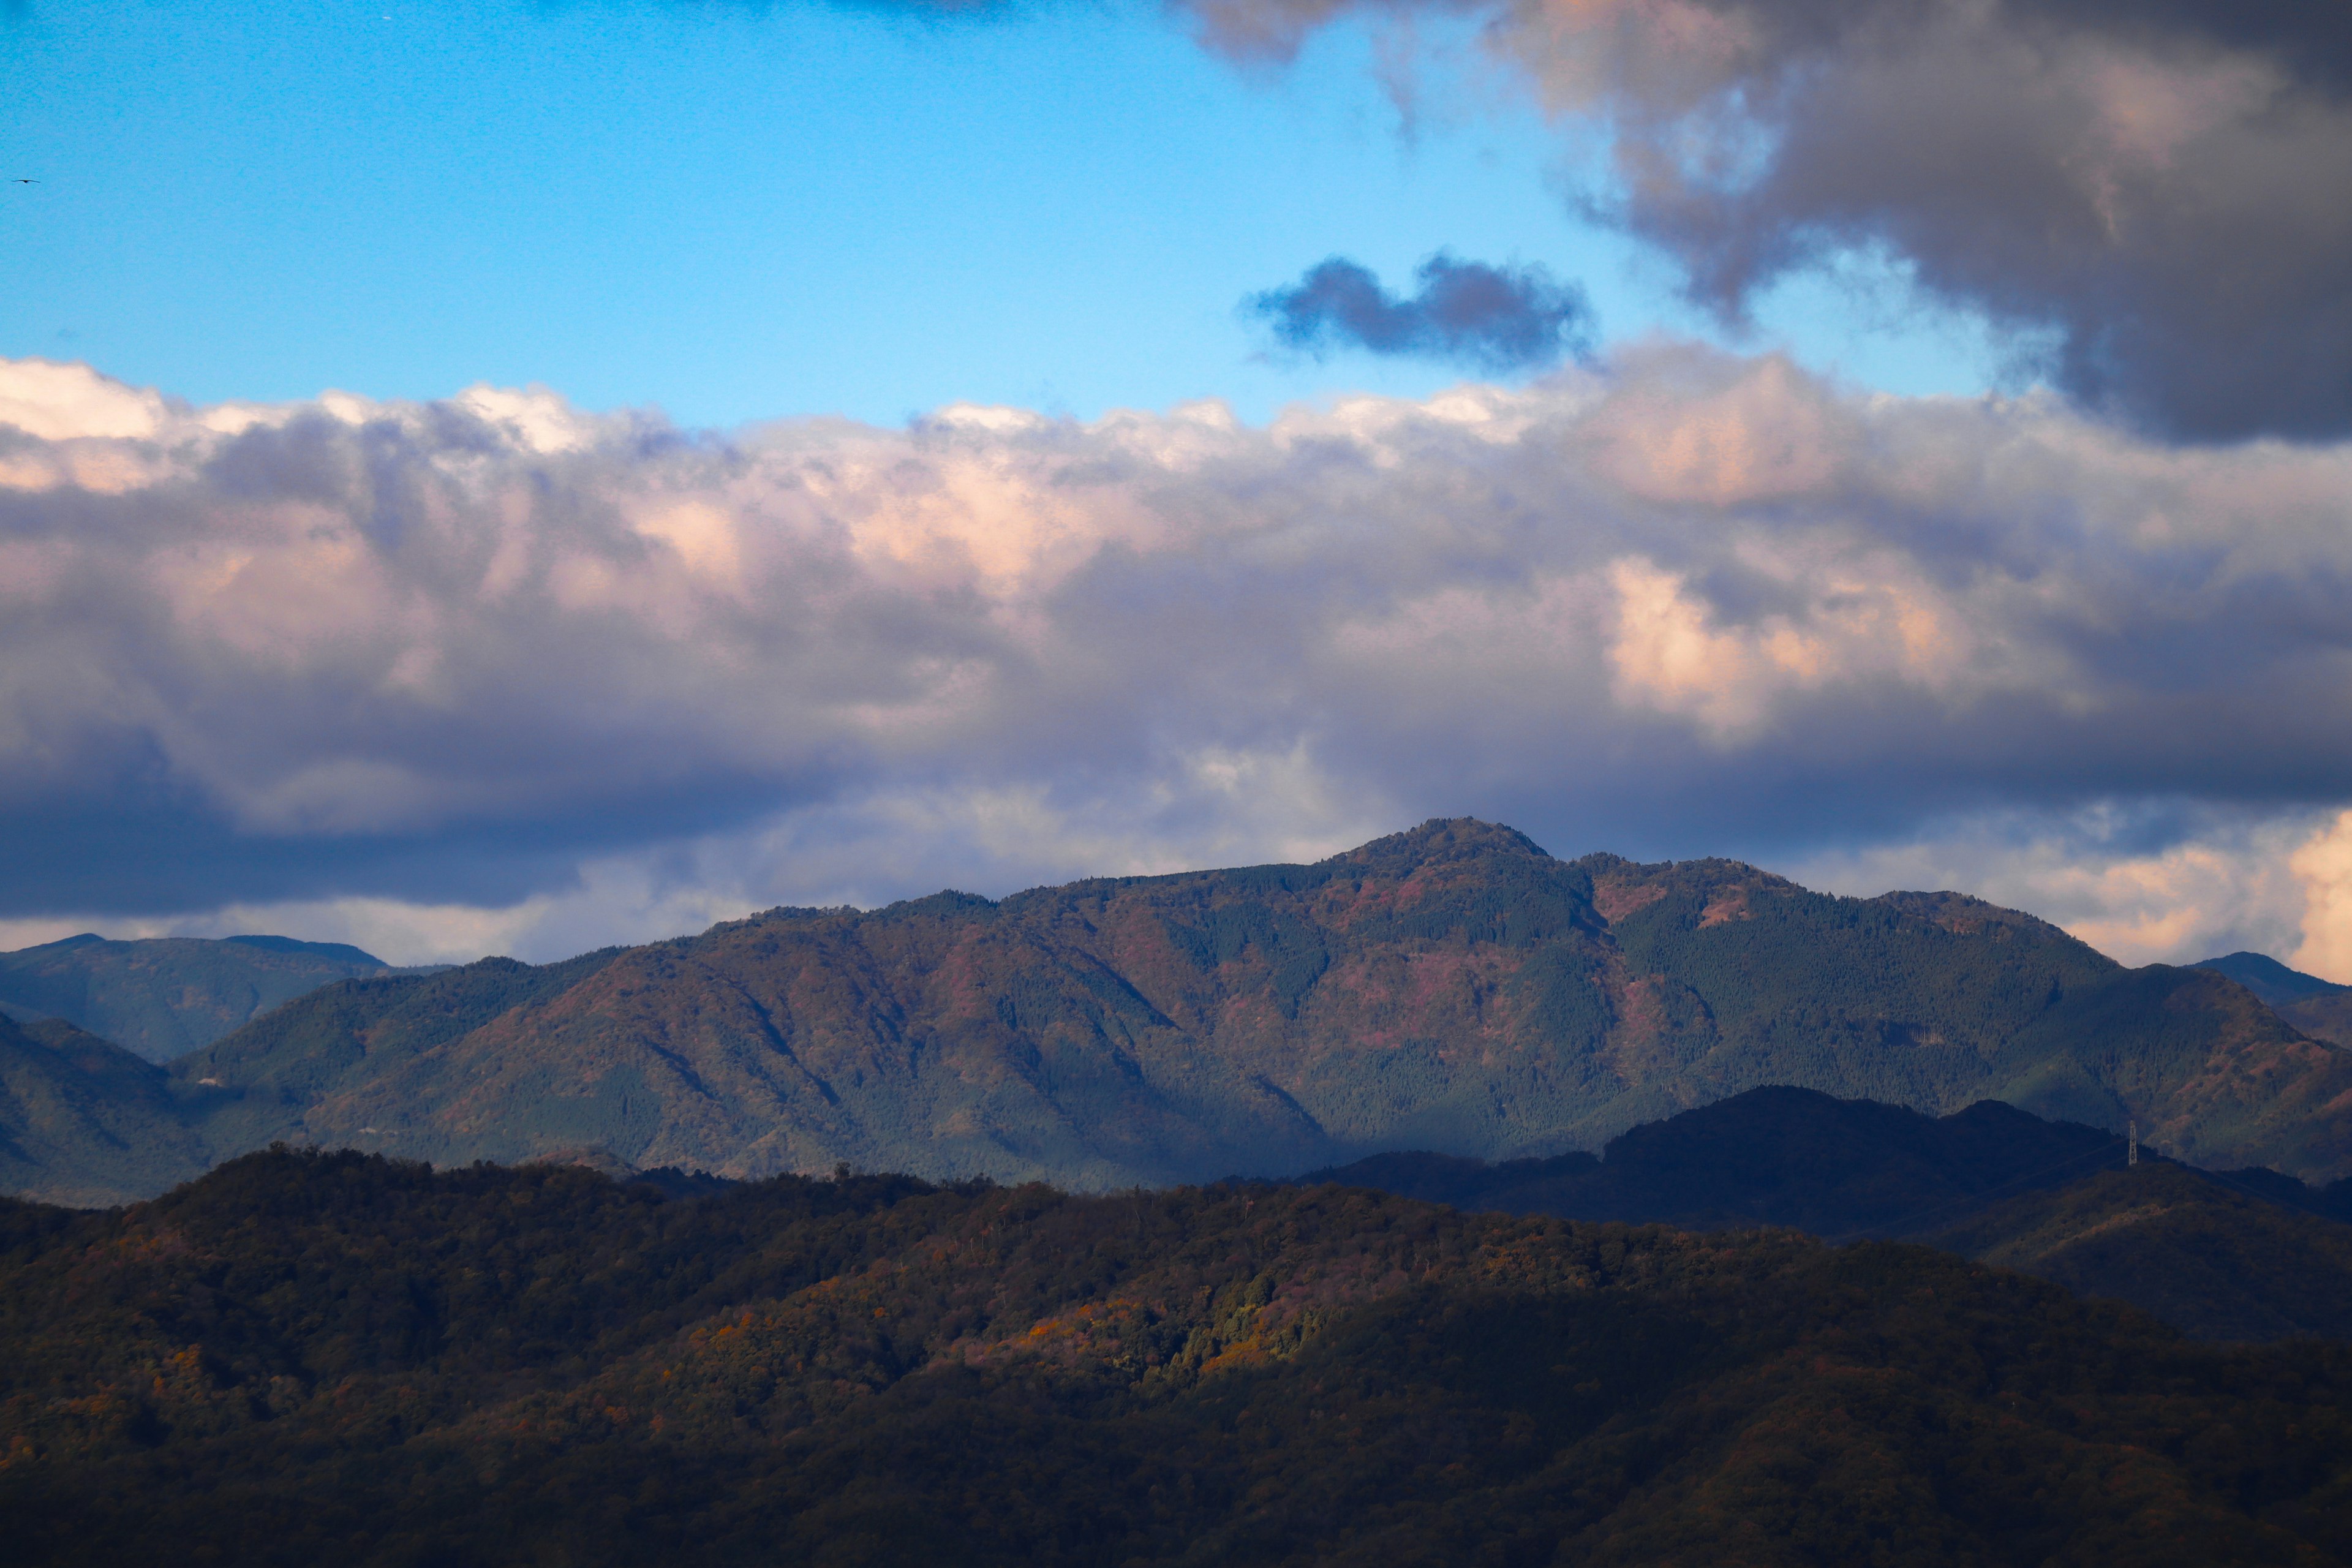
point(1452, 988)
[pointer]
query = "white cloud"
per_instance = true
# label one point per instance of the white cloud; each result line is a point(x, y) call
point(350, 660)
point(2322, 865)
point(2222, 883)
point(51, 401)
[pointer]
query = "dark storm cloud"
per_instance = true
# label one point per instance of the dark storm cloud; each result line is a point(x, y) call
point(2310, 41)
point(2161, 194)
point(1465, 313)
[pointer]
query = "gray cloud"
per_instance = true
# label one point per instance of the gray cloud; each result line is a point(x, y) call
point(1490, 317)
point(2163, 191)
point(1683, 603)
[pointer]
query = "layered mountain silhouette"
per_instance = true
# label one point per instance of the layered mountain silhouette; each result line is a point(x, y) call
point(1778, 1156)
point(2242, 1255)
point(161, 997)
point(2320, 1008)
point(1452, 988)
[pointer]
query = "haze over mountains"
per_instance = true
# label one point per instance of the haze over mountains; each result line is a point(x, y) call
point(1452, 988)
point(161, 997)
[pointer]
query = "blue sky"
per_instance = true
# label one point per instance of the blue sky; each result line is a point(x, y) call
point(738, 213)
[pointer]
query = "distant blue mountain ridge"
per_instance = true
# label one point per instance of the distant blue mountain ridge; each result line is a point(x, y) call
point(161, 997)
point(2269, 979)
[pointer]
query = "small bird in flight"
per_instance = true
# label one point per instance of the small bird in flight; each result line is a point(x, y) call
point(28, 182)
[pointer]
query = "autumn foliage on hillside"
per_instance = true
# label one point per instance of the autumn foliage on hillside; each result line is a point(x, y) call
point(306, 1357)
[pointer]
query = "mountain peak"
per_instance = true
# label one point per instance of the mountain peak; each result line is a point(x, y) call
point(1966, 914)
point(1443, 838)
point(65, 943)
point(337, 952)
point(2269, 979)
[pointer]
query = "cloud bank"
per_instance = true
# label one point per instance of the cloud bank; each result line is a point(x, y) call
point(2163, 192)
point(1465, 313)
point(482, 652)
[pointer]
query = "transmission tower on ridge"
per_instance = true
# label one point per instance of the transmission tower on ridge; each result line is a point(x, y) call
point(2133, 1157)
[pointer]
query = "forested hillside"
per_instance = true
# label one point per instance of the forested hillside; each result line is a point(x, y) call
point(2205, 1253)
point(306, 1358)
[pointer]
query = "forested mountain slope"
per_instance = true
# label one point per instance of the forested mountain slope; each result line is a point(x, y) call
point(306, 1358)
point(260, 1084)
point(160, 997)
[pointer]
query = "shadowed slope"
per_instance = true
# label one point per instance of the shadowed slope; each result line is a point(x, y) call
point(2320, 1008)
point(2269, 979)
point(2208, 1257)
point(1773, 1156)
point(85, 1122)
point(2244, 1256)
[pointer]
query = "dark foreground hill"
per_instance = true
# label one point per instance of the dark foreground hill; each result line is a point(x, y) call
point(2247, 1255)
point(304, 1359)
point(2204, 1254)
point(1454, 987)
point(1771, 1156)
point(161, 997)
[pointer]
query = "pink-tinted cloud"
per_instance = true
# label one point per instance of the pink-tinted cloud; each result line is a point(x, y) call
point(453, 652)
